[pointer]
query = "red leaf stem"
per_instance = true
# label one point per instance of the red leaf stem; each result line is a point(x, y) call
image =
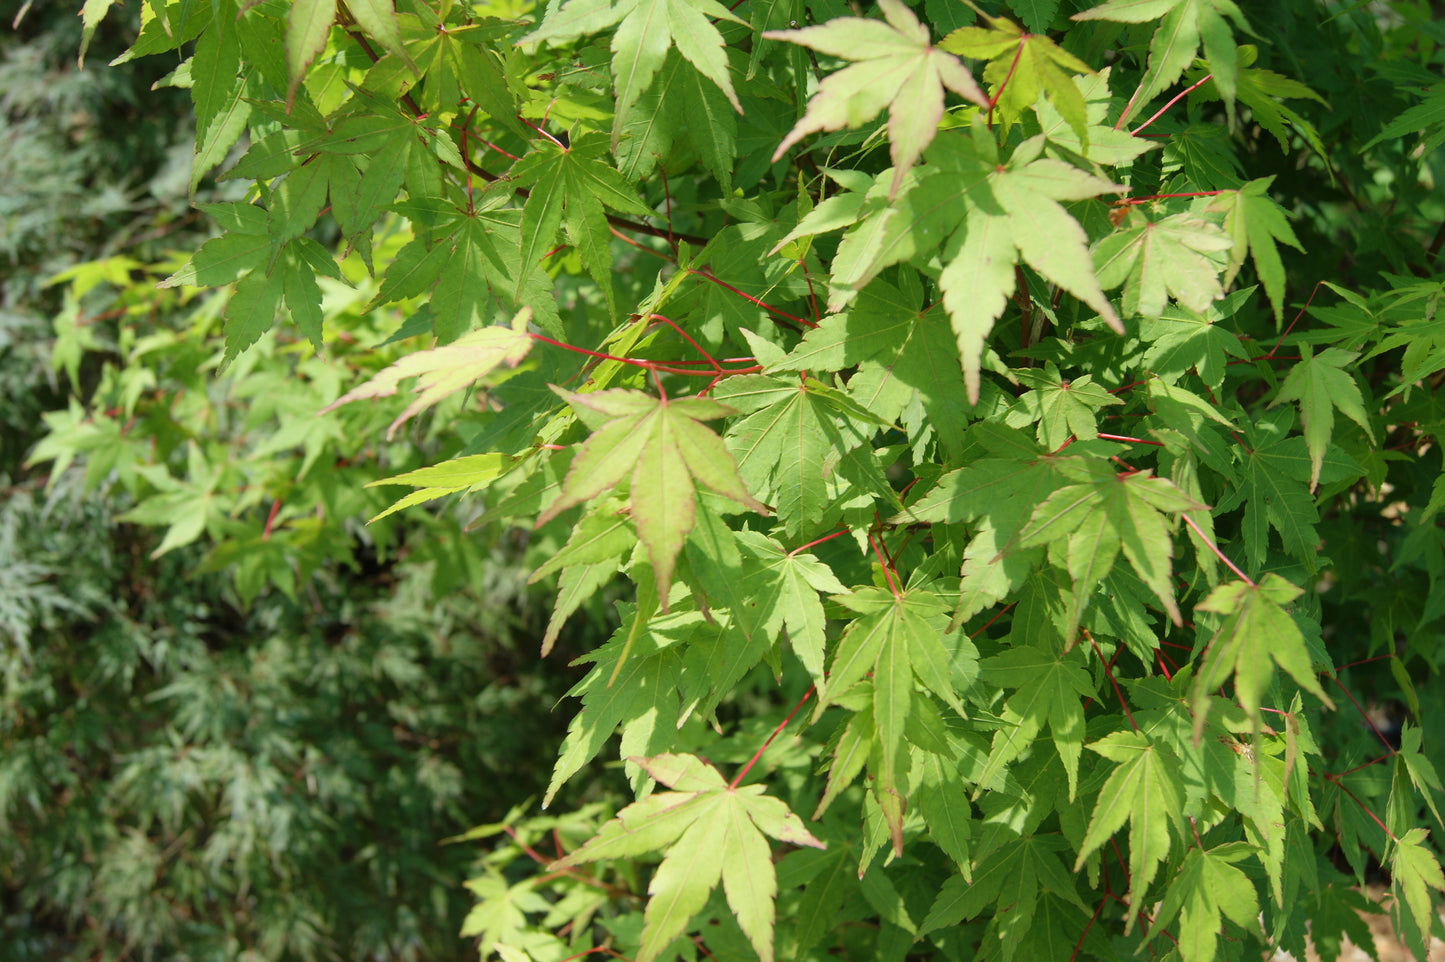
point(1178, 97)
point(748, 297)
point(764, 746)
point(1215, 548)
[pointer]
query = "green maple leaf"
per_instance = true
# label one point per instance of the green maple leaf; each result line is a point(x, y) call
point(896, 637)
point(662, 446)
point(1273, 486)
point(788, 444)
point(634, 683)
point(1256, 635)
point(442, 371)
point(1264, 93)
point(469, 473)
point(1063, 409)
point(1183, 26)
point(1414, 870)
point(1145, 791)
point(1207, 890)
point(1320, 384)
point(1256, 225)
point(308, 24)
point(1182, 340)
point(712, 832)
point(574, 183)
point(1011, 876)
point(1050, 688)
point(782, 591)
point(1023, 66)
point(1036, 14)
point(1421, 118)
point(1011, 214)
point(895, 66)
point(1089, 523)
point(906, 360)
point(466, 256)
point(1337, 913)
point(1180, 255)
point(646, 30)
point(1101, 143)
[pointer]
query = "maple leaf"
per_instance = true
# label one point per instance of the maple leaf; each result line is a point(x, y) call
point(907, 361)
point(1050, 688)
point(633, 683)
point(1256, 635)
point(1021, 67)
point(893, 65)
point(1207, 890)
point(1319, 383)
point(1090, 522)
point(1144, 790)
point(1180, 255)
point(789, 443)
point(1273, 486)
point(1011, 213)
point(646, 30)
point(572, 181)
point(1429, 113)
point(1063, 409)
point(1101, 143)
point(308, 23)
point(1182, 340)
point(1264, 93)
point(895, 637)
point(442, 371)
point(1255, 224)
point(782, 591)
point(1414, 870)
point(1183, 26)
point(458, 474)
point(663, 447)
point(711, 831)
point(1015, 875)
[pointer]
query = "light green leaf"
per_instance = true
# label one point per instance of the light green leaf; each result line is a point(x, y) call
point(721, 836)
point(1181, 255)
point(443, 371)
point(663, 448)
point(308, 24)
point(1319, 383)
point(894, 66)
point(1024, 66)
point(1256, 634)
point(1143, 790)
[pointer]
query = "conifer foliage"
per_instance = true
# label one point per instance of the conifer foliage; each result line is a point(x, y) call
point(1017, 425)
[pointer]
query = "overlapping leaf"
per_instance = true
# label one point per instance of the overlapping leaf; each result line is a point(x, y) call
point(1256, 225)
point(1319, 384)
point(442, 371)
point(1021, 67)
point(1090, 522)
point(575, 185)
point(894, 66)
point(646, 29)
point(1183, 26)
point(1207, 890)
point(711, 831)
point(1180, 255)
point(663, 448)
point(1143, 790)
point(1256, 635)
